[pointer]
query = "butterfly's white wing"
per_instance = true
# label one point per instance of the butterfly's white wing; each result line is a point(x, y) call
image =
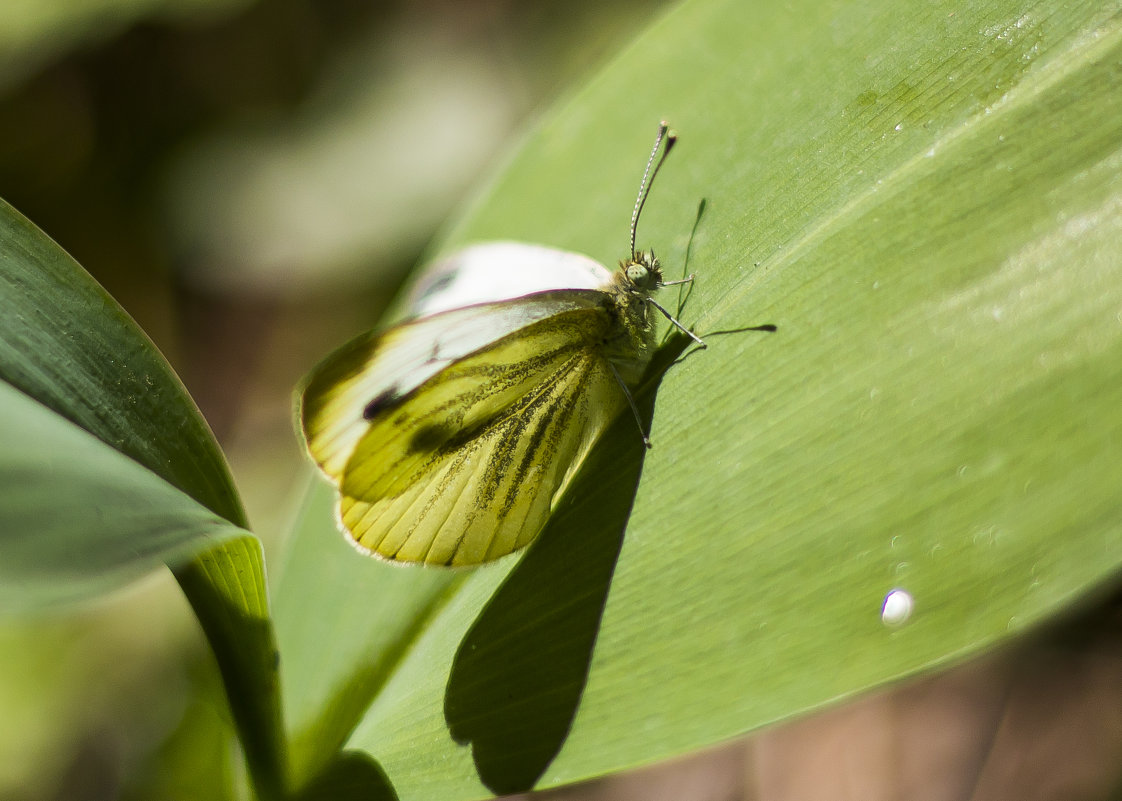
point(465, 467)
point(379, 367)
point(495, 271)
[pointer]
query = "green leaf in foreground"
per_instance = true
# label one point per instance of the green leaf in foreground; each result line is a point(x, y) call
point(928, 204)
point(81, 516)
point(68, 345)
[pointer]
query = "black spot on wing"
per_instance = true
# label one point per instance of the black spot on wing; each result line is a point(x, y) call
point(383, 402)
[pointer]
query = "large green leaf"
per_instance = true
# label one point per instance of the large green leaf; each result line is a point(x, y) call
point(927, 201)
point(108, 468)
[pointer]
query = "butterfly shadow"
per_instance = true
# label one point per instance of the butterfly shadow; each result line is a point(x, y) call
point(519, 673)
point(349, 776)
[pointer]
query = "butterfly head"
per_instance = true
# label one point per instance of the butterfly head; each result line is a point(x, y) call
point(642, 272)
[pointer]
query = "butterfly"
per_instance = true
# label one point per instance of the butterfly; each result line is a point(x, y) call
point(451, 436)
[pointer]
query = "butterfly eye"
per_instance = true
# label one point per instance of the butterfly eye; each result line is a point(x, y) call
point(638, 274)
point(643, 271)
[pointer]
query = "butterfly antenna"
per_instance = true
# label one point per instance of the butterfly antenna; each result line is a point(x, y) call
point(649, 175)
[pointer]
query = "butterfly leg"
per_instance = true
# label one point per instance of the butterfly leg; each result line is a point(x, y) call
point(677, 324)
point(631, 403)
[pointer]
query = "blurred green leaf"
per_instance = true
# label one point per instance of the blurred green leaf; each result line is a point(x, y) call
point(927, 201)
point(68, 345)
point(80, 515)
point(80, 518)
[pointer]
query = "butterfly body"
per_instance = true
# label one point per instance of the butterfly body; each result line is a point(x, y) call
point(452, 435)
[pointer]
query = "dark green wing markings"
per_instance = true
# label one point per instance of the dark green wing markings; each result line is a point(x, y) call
point(467, 467)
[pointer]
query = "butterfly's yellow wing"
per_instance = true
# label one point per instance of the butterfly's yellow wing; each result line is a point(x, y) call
point(448, 457)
